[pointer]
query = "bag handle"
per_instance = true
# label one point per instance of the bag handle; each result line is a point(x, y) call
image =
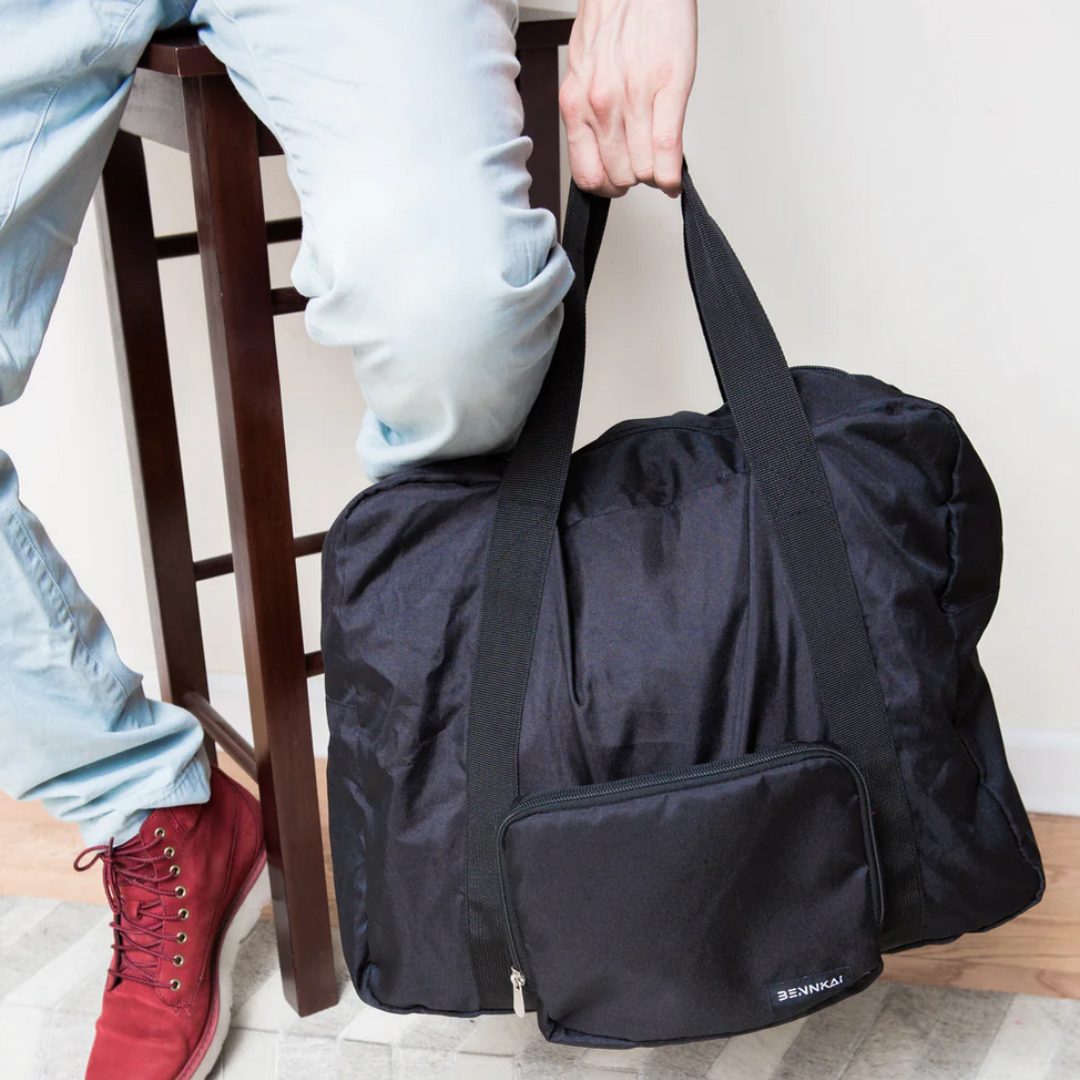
point(790, 479)
point(530, 496)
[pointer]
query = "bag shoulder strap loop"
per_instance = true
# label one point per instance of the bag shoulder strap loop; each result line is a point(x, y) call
point(791, 482)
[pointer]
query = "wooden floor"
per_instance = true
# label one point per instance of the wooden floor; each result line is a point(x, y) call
point(1038, 953)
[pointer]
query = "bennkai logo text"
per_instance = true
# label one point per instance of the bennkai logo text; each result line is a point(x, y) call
point(809, 988)
point(794, 990)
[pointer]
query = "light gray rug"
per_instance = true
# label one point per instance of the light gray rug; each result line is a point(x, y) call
point(53, 958)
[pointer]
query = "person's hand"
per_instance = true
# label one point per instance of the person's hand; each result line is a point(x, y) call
point(624, 96)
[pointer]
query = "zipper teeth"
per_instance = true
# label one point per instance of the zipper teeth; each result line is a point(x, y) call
point(604, 440)
point(636, 783)
point(822, 367)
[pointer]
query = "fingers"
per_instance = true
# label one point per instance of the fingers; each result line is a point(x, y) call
point(615, 146)
point(599, 130)
point(638, 125)
point(587, 165)
point(668, 114)
point(606, 107)
point(630, 72)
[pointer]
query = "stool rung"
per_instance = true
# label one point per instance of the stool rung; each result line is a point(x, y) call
point(287, 301)
point(221, 731)
point(177, 245)
point(313, 662)
point(220, 565)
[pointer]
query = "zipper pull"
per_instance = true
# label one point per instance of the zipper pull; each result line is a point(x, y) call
point(517, 980)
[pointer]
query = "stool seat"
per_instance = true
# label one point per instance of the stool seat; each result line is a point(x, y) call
point(182, 97)
point(179, 52)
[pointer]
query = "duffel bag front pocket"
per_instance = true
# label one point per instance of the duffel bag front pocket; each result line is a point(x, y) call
point(693, 904)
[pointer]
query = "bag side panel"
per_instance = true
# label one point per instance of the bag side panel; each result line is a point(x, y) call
point(349, 813)
point(401, 608)
point(969, 603)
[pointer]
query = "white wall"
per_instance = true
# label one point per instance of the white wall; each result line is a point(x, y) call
point(901, 182)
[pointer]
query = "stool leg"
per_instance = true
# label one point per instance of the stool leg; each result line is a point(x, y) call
point(142, 356)
point(236, 275)
point(538, 85)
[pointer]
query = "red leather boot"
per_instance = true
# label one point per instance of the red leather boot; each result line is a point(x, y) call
point(185, 892)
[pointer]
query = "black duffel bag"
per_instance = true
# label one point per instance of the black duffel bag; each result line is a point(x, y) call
point(670, 738)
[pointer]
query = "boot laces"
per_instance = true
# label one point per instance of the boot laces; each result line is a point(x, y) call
point(141, 933)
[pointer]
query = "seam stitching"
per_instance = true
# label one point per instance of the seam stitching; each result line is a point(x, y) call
point(36, 138)
point(66, 606)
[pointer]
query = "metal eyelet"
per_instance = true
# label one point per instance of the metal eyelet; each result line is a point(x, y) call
point(174, 985)
point(159, 833)
point(170, 852)
point(183, 914)
point(178, 960)
point(180, 891)
point(181, 937)
point(174, 871)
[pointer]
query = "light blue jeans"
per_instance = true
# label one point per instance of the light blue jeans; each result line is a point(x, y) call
point(401, 126)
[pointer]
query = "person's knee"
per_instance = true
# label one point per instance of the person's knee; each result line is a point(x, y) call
point(455, 373)
point(452, 330)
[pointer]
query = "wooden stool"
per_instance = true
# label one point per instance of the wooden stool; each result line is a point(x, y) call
point(182, 97)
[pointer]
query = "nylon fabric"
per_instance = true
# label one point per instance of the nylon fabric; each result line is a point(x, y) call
point(666, 630)
point(648, 657)
point(667, 915)
point(783, 458)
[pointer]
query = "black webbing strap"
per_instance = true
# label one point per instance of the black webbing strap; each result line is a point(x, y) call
point(517, 560)
point(790, 480)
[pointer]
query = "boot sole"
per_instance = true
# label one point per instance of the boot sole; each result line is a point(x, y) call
point(245, 916)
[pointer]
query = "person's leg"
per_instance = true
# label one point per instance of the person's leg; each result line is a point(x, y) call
point(402, 127)
point(76, 730)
